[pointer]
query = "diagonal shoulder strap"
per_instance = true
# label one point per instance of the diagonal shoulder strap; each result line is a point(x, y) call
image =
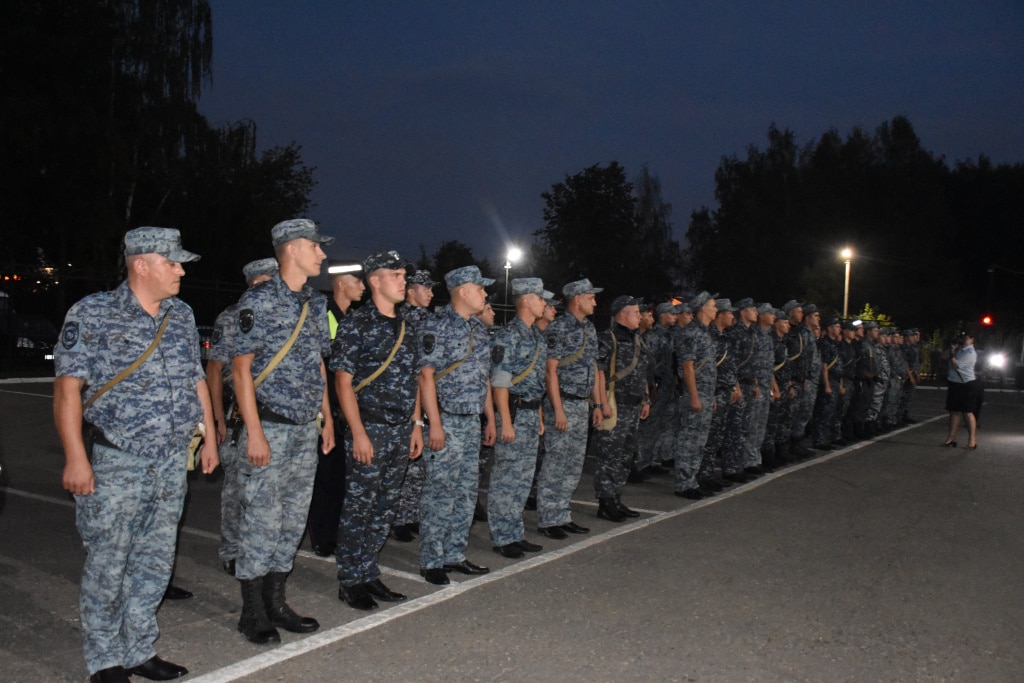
point(134, 366)
point(576, 356)
point(384, 366)
point(459, 362)
point(283, 351)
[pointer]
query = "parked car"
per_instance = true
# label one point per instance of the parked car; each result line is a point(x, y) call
point(28, 337)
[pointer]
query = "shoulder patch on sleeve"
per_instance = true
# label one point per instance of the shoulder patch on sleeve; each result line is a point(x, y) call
point(551, 341)
point(497, 354)
point(246, 320)
point(428, 344)
point(69, 335)
point(215, 337)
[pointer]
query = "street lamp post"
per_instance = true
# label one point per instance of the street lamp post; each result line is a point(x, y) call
point(513, 255)
point(847, 255)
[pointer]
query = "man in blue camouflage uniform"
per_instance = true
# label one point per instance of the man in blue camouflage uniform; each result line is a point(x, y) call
point(655, 445)
point(742, 349)
point(805, 369)
point(375, 362)
point(912, 356)
point(279, 438)
point(828, 385)
point(518, 358)
point(419, 292)
point(130, 488)
point(622, 365)
point(880, 387)
point(695, 353)
point(222, 395)
point(846, 370)
point(727, 397)
point(571, 382)
point(455, 368)
point(760, 448)
point(667, 443)
point(868, 368)
point(780, 413)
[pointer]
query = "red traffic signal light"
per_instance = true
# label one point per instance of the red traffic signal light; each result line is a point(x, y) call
point(987, 320)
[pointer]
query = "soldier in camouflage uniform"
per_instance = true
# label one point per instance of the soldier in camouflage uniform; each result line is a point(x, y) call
point(455, 367)
point(667, 442)
point(742, 338)
point(828, 386)
point(518, 357)
point(873, 372)
point(222, 395)
point(130, 487)
point(571, 380)
point(375, 362)
point(654, 444)
point(695, 353)
point(281, 418)
point(760, 447)
point(419, 292)
point(727, 395)
point(780, 414)
point(846, 371)
point(912, 356)
point(622, 364)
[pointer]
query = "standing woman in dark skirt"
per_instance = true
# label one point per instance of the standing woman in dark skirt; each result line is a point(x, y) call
point(962, 396)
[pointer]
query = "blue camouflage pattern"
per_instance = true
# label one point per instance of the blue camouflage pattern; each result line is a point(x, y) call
point(565, 336)
point(511, 478)
point(694, 344)
point(614, 447)
point(444, 340)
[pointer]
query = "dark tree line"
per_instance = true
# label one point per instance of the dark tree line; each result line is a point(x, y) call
point(100, 133)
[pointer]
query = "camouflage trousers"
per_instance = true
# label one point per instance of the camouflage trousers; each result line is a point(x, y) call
point(892, 401)
point(615, 451)
point(691, 439)
point(803, 410)
point(757, 424)
point(843, 402)
point(275, 499)
point(511, 477)
point(129, 528)
point(449, 492)
point(230, 501)
point(711, 460)
point(780, 419)
point(407, 503)
point(654, 443)
point(563, 462)
point(824, 410)
point(878, 391)
point(737, 428)
point(370, 495)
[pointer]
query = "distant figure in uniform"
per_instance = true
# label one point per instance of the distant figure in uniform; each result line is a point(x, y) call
point(518, 358)
point(325, 507)
point(222, 395)
point(128, 372)
point(282, 339)
point(695, 353)
point(374, 360)
point(455, 388)
point(419, 292)
point(654, 446)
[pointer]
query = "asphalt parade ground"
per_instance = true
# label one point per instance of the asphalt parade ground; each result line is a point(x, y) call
point(890, 560)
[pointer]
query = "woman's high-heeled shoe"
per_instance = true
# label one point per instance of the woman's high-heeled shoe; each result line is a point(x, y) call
point(972, 448)
point(949, 444)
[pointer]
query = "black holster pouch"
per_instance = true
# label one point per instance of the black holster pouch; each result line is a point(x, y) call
point(92, 435)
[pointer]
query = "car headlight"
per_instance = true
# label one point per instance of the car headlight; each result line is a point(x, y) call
point(997, 360)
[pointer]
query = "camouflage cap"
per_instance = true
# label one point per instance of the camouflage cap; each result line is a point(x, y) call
point(910, 331)
point(580, 287)
point(745, 302)
point(683, 307)
point(296, 228)
point(788, 307)
point(810, 309)
point(466, 275)
point(725, 306)
point(259, 267)
point(666, 307)
point(527, 285)
point(765, 308)
point(849, 325)
point(163, 241)
point(343, 267)
point(623, 300)
point(548, 297)
point(701, 298)
point(389, 260)
point(421, 277)
point(645, 306)
point(870, 325)
point(833, 321)
point(781, 315)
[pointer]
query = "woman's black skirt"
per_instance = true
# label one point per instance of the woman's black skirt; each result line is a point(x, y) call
point(962, 397)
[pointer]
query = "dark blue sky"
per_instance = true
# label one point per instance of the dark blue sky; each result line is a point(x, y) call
point(435, 121)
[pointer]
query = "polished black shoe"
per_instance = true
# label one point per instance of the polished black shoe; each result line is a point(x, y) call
point(323, 549)
point(625, 510)
point(722, 484)
point(531, 503)
point(607, 509)
point(509, 550)
point(574, 528)
point(691, 494)
point(402, 533)
point(156, 669)
point(709, 485)
point(357, 596)
point(113, 674)
point(228, 566)
point(738, 477)
point(707, 492)
point(175, 593)
point(435, 575)
point(466, 567)
point(555, 532)
point(377, 589)
point(528, 547)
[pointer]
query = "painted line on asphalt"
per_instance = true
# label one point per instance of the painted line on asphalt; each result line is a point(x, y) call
point(24, 393)
point(253, 665)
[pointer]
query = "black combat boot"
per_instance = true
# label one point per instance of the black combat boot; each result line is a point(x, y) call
point(280, 613)
point(606, 509)
point(623, 509)
point(254, 623)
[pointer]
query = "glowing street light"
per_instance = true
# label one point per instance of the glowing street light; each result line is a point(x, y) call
point(513, 255)
point(847, 255)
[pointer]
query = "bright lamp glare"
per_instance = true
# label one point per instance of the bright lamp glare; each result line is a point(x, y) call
point(997, 360)
point(514, 254)
point(846, 253)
